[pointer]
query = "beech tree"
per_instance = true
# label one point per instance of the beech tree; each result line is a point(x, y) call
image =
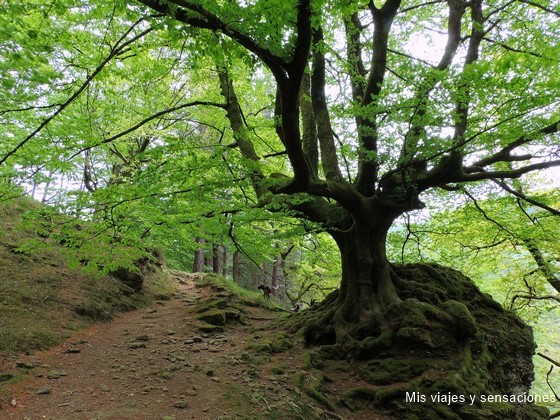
point(369, 124)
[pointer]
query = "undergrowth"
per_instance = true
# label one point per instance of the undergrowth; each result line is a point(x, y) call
point(42, 300)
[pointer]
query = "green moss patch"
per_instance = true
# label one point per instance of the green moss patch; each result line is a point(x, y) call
point(444, 342)
point(357, 398)
point(213, 316)
point(276, 343)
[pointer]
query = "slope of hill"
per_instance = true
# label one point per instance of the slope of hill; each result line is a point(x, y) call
point(42, 300)
point(203, 349)
point(66, 352)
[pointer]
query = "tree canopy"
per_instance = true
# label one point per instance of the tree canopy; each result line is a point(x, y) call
point(343, 115)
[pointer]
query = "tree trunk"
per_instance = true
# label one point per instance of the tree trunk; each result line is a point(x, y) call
point(277, 274)
point(258, 276)
point(366, 289)
point(198, 266)
point(46, 191)
point(224, 260)
point(366, 273)
point(216, 259)
point(236, 267)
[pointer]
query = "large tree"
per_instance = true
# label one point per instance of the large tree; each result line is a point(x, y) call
point(479, 106)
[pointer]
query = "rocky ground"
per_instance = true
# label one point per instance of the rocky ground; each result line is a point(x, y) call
point(156, 363)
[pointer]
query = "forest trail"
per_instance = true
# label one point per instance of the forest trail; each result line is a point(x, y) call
point(154, 363)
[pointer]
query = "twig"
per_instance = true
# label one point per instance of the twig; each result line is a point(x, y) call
point(13, 402)
point(549, 359)
point(267, 404)
point(533, 297)
point(548, 382)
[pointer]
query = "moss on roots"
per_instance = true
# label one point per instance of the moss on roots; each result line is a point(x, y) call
point(444, 338)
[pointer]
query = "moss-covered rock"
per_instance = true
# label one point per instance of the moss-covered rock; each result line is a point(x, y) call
point(464, 321)
point(213, 316)
point(278, 343)
point(204, 327)
point(234, 314)
point(219, 308)
point(445, 342)
point(211, 303)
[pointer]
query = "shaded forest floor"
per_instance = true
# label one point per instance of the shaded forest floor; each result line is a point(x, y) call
point(155, 363)
point(107, 359)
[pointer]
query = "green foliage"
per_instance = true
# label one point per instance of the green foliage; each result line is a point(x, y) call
point(163, 170)
point(117, 119)
point(314, 268)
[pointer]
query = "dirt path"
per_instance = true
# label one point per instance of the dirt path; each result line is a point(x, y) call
point(155, 364)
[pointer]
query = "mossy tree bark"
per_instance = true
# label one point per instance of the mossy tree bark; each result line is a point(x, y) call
point(366, 287)
point(366, 273)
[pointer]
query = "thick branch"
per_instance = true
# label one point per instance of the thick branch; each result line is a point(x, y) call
point(382, 21)
point(289, 90)
point(325, 134)
point(464, 90)
point(291, 136)
point(278, 115)
point(309, 124)
point(353, 28)
point(303, 43)
point(504, 155)
point(202, 18)
point(240, 132)
point(368, 164)
point(439, 176)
